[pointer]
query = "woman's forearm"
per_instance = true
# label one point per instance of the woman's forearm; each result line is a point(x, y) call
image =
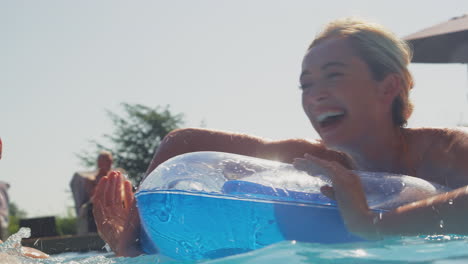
point(194, 139)
point(188, 140)
point(442, 214)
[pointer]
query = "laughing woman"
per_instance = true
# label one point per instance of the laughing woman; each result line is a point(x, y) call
point(355, 91)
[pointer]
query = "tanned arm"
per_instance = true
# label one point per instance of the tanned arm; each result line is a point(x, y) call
point(445, 162)
point(443, 214)
point(188, 140)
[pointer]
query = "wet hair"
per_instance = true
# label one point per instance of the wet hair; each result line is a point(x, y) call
point(384, 53)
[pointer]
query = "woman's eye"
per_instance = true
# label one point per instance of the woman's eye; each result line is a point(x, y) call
point(333, 75)
point(305, 86)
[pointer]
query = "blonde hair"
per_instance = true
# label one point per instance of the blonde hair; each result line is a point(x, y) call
point(384, 53)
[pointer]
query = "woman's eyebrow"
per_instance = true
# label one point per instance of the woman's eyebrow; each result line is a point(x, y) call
point(333, 64)
point(324, 67)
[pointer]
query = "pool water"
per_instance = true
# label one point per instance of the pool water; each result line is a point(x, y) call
point(438, 249)
point(423, 249)
point(431, 249)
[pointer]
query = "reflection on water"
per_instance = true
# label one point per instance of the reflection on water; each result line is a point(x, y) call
point(441, 249)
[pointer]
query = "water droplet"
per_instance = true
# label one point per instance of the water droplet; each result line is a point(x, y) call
point(441, 224)
point(107, 248)
point(377, 218)
point(450, 201)
point(186, 246)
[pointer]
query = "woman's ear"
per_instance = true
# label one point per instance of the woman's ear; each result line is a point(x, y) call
point(389, 88)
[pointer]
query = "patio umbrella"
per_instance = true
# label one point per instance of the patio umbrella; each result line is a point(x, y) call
point(446, 42)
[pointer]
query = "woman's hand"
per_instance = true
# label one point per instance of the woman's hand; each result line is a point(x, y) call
point(348, 192)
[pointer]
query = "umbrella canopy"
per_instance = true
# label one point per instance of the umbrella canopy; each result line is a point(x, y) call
point(446, 42)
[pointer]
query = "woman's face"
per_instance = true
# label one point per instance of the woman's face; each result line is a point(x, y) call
point(339, 96)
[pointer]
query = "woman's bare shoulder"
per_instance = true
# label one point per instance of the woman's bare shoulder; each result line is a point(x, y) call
point(440, 154)
point(434, 136)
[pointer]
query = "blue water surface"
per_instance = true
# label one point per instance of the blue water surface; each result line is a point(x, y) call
point(433, 249)
point(429, 249)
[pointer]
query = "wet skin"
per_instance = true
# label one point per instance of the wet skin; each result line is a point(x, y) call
point(334, 79)
point(116, 214)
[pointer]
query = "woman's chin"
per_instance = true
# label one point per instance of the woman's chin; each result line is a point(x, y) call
point(335, 143)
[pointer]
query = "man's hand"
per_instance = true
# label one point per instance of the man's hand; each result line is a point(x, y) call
point(116, 214)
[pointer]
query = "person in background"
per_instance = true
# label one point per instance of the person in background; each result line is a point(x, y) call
point(4, 209)
point(27, 251)
point(82, 186)
point(4, 205)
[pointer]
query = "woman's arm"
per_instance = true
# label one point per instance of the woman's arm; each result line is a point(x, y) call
point(442, 214)
point(194, 139)
point(445, 162)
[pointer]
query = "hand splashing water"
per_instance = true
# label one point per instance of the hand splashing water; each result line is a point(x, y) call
point(12, 252)
point(12, 246)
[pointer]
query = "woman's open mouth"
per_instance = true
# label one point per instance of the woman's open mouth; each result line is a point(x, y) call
point(330, 118)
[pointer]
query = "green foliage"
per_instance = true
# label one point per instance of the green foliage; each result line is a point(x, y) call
point(136, 135)
point(13, 225)
point(15, 211)
point(15, 215)
point(66, 225)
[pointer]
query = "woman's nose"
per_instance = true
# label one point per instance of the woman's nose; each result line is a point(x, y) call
point(315, 95)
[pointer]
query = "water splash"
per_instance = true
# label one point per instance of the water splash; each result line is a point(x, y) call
point(444, 238)
point(81, 260)
point(11, 252)
point(12, 246)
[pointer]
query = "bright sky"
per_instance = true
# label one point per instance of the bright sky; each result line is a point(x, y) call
point(233, 65)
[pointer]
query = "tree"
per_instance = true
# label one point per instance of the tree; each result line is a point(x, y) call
point(136, 135)
point(15, 215)
point(66, 225)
